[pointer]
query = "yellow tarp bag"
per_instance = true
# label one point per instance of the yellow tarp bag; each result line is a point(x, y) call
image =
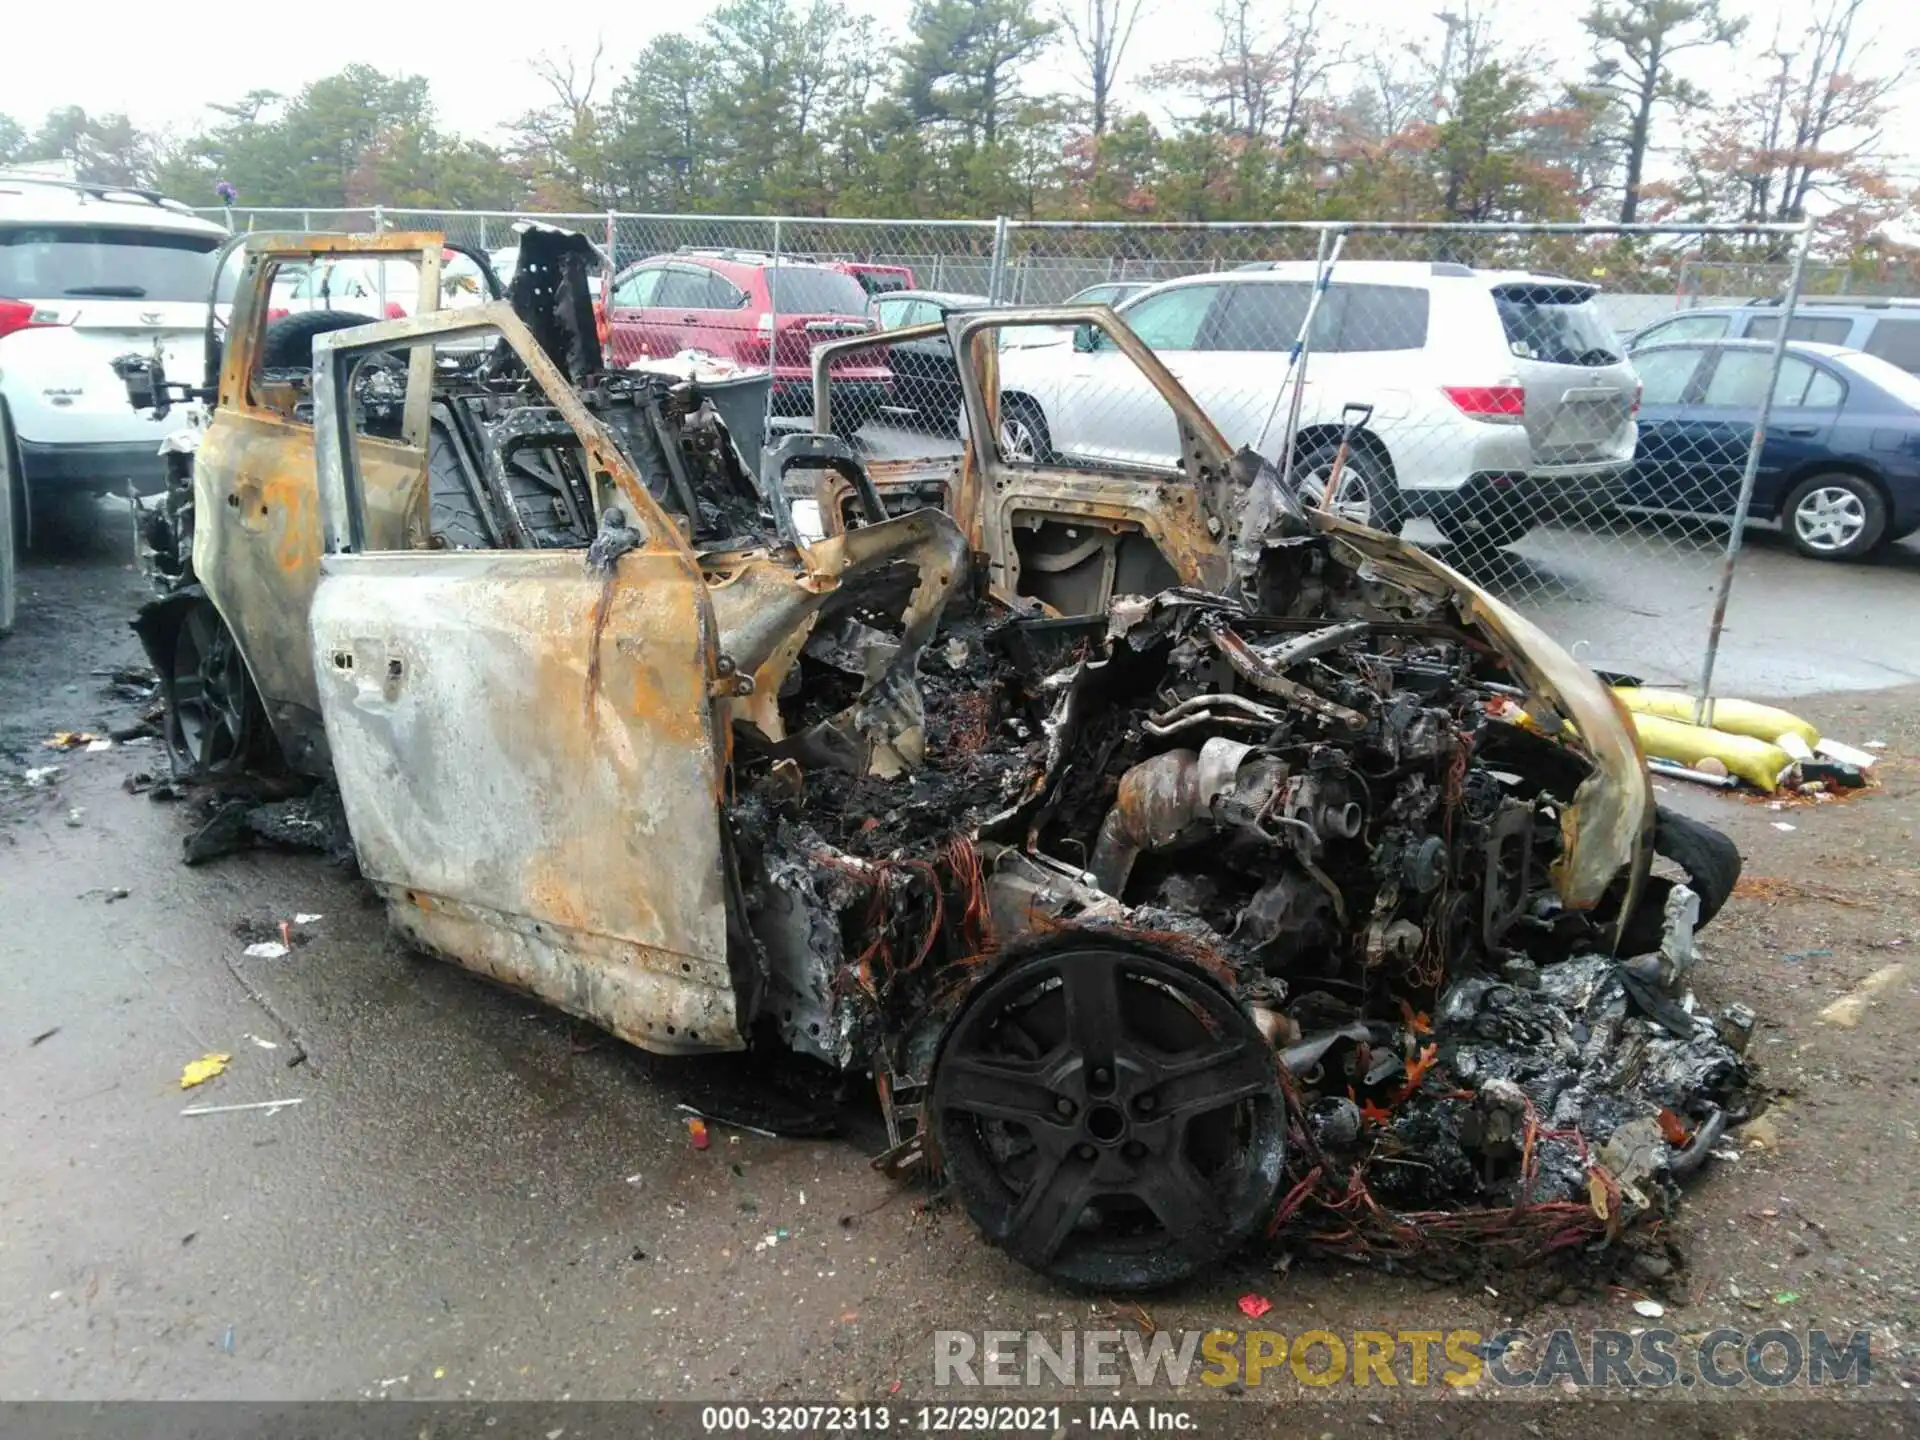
point(1755, 761)
point(1735, 717)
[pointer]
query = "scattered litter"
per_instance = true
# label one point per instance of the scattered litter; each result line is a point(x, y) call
point(1700, 774)
point(108, 893)
point(70, 739)
point(75, 815)
point(44, 1035)
point(94, 747)
point(268, 950)
point(226, 1341)
point(1876, 744)
point(304, 919)
point(1786, 1297)
point(198, 1072)
point(1806, 954)
point(39, 775)
point(439, 1372)
point(636, 1178)
point(729, 1121)
point(1783, 825)
point(267, 1105)
point(263, 1044)
point(769, 1240)
point(1254, 1306)
point(1652, 1309)
point(697, 1129)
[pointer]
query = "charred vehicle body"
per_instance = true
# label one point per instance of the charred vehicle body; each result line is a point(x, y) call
point(1174, 856)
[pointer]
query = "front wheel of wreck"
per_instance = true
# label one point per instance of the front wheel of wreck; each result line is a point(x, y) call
point(1109, 1114)
point(214, 720)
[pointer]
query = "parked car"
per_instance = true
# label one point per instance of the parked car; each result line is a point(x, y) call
point(1840, 466)
point(375, 288)
point(1499, 398)
point(727, 303)
point(1887, 329)
point(875, 279)
point(1110, 293)
point(926, 378)
point(87, 274)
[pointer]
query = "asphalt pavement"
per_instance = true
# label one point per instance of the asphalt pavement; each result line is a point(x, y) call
point(476, 1196)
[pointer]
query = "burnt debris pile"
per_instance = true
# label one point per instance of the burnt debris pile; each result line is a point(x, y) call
point(1342, 823)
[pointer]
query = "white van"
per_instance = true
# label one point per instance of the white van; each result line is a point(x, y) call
point(1498, 397)
point(89, 273)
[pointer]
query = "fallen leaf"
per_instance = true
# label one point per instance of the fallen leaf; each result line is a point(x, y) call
point(1597, 1195)
point(1672, 1128)
point(198, 1072)
point(1254, 1306)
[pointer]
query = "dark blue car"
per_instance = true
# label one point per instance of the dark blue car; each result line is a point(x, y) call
point(1840, 469)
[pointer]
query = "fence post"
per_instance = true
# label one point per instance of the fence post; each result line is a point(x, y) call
point(379, 219)
point(773, 341)
point(1703, 703)
point(306, 221)
point(613, 234)
point(483, 236)
point(997, 267)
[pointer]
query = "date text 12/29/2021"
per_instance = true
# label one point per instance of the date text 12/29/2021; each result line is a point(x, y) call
point(946, 1419)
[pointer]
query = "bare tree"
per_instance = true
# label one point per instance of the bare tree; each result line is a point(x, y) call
point(1100, 30)
point(1812, 129)
point(1262, 73)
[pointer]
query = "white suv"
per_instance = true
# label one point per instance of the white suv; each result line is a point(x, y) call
point(89, 273)
point(1498, 398)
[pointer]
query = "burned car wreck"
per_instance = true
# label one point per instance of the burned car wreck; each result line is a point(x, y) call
point(1184, 864)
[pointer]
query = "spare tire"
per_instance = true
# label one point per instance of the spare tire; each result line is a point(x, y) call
point(288, 343)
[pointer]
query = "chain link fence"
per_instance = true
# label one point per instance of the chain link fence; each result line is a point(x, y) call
point(1468, 385)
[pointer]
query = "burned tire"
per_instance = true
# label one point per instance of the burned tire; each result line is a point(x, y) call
point(215, 723)
point(1712, 865)
point(1109, 1114)
point(288, 343)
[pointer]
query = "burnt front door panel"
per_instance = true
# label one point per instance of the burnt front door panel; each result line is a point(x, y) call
point(536, 815)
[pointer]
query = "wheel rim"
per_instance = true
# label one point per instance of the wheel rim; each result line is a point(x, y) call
point(1017, 441)
point(208, 700)
point(1829, 518)
point(1352, 499)
point(1110, 1117)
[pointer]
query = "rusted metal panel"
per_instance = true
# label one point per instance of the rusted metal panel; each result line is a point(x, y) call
point(256, 548)
point(575, 857)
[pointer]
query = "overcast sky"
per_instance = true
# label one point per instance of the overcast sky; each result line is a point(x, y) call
point(163, 74)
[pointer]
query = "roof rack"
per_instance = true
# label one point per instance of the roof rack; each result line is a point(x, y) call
point(1844, 302)
point(9, 178)
point(748, 257)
